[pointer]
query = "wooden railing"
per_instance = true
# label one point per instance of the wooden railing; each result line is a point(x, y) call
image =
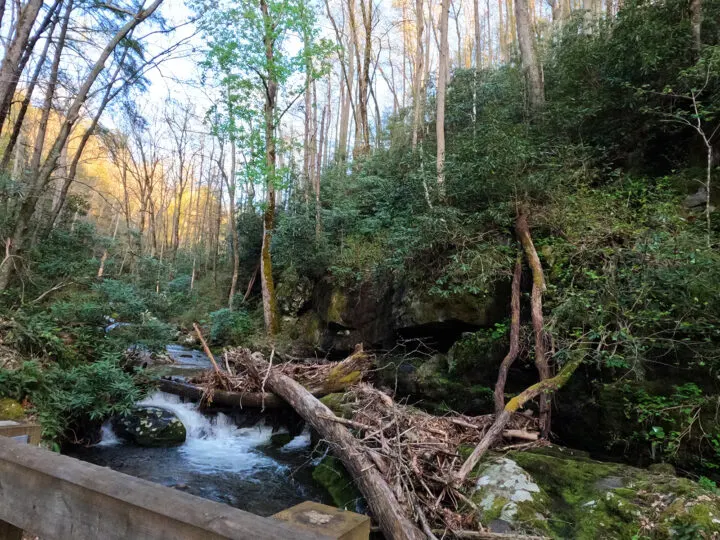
point(60, 498)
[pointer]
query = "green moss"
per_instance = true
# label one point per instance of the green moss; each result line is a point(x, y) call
point(280, 439)
point(336, 403)
point(331, 474)
point(11, 409)
point(336, 308)
point(594, 500)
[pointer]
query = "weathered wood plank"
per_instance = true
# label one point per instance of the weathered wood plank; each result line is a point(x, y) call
point(9, 532)
point(61, 498)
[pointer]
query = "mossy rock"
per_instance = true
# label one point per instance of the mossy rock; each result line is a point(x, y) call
point(596, 500)
point(11, 409)
point(151, 426)
point(428, 381)
point(331, 474)
point(508, 499)
point(279, 440)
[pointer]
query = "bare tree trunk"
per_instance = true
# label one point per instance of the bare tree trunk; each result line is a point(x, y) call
point(514, 337)
point(696, 22)
point(418, 101)
point(441, 89)
point(478, 34)
point(541, 361)
point(234, 235)
point(528, 53)
point(11, 68)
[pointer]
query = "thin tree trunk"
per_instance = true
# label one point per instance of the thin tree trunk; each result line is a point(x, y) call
point(270, 310)
point(478, 34)
point(538, 287)
point(418, 102)
point(514, 337)
point(11, 68)
point(696, 22)
point(441, 89)
point(543, 388)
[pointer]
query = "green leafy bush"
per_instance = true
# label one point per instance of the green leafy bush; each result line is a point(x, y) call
point(230, 327)
point(69, 402)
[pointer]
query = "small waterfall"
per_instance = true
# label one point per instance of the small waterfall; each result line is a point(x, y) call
point(217, 461)
point(107, 436)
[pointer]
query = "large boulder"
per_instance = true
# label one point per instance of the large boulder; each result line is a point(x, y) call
point(563, 494)
point(151, 426)
point(509, 499)
point(377, 313)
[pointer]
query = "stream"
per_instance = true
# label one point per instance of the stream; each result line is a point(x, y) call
point(220, 460)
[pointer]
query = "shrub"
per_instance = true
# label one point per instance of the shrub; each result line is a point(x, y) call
point(230, 327)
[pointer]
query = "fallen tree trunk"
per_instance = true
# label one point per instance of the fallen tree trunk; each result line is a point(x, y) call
point(544, 388)
point(386, 509)
point(222, 397)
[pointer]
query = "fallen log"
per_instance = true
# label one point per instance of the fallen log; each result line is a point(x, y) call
point(388, 512)
point(222, 397)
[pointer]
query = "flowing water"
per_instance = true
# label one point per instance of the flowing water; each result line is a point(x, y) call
point(219, 460)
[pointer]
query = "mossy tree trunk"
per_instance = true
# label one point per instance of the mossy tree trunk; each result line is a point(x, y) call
point(538, 287)
point(270, 310)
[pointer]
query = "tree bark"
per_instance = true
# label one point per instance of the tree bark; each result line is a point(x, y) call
point(418, 101)
point(11, 66)
point(270, 309)
point(696, 22)
point(441, 89)
point(538, 287)
point(514, 337)
point(391, 517)
point(529, 56)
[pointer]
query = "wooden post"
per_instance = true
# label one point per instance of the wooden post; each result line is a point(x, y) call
point(9, 532)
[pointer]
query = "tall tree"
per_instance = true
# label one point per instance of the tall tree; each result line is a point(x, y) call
point(249, 48)
point(529, 56)
point(11, 66)
point(418, 91)
point(29, 203)
point(441, 90)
